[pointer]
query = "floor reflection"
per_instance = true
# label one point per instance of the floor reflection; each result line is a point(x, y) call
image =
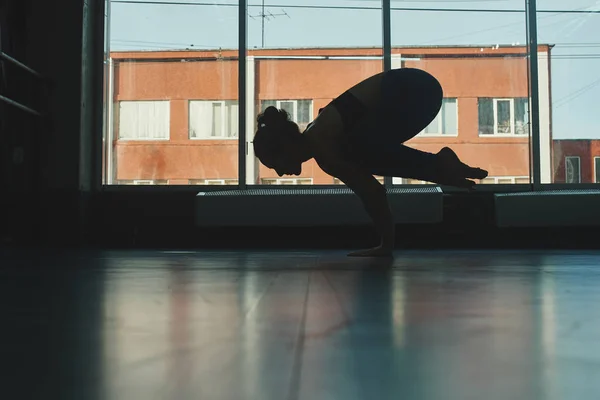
point(301, 325)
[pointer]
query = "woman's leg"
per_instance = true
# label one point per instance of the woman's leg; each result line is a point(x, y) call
point(444, 167)
point(411, 99)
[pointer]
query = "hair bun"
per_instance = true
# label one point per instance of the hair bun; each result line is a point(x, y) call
point(272, 116)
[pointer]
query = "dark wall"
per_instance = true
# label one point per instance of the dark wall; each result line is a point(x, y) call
point(46, 187)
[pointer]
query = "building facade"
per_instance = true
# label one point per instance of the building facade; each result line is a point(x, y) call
point(174, 115)
point(576, 161)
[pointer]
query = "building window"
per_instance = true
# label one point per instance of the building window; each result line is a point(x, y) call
point(572, 169)
point(286, 181)
point(505, 180)
point(213, 182)
point(213, 119)
point(301, 111)
point(143, 182)
point(380, 179)
point(503, 116)
point(144, 120)
point(446, 122)
point(597, 169)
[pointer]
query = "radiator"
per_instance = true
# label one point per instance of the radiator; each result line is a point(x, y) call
point(548, 208)
point(311, 207)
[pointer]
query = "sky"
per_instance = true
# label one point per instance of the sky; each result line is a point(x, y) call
point(209, 24)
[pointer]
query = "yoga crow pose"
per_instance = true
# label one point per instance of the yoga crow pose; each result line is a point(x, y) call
point(361, 134)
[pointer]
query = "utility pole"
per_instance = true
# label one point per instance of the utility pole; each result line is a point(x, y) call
point(266, 16)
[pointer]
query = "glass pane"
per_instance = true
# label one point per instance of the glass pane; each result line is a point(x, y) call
point(172, 89)
point(304, 68)
point(597, 169)
point(450, 117)
point(521, 116)
point(485, 116)
point(434, 127)
point(217, 120)
point(480, 59)
point(503, 117)
point(569, 90)
point(289, 107)
point(572, 170)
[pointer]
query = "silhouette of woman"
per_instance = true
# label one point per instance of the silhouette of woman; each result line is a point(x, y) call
point(360, 134)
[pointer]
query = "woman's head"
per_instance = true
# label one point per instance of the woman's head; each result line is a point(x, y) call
point(278, 142)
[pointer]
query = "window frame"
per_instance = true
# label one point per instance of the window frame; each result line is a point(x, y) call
point(99, 146)
point(578, 171)
point(295, 107)
point(279, 180)
point(441, 123)
point(118, 121)
point(223, 118)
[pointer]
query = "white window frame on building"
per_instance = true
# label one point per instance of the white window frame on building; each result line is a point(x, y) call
point(512, 117)
point(506, 180)
point(380, 179)
point(286, 181)
point(150, 120)
point(278, 104)
point(143, 182)
point(228, 122)
point(567, 160)
point(220, 182)
point(441, 131)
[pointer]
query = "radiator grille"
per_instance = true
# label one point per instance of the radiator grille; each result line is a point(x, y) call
point(313, 192)
point(569, 192)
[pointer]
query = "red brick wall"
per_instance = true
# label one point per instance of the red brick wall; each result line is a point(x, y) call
point(586, 150)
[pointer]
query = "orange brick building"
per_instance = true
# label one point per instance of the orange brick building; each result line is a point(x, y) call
point(174, 114)
point(576, 161)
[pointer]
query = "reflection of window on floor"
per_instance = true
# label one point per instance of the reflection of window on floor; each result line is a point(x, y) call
point(505, 180)
point(572, 169)
point(597, 169)
point(286, 181)
point(336, 181)
point(213, 181)
point(503, 116)
point(144, 120)
point(143, 182)
point(446, 122)
point(213, 119)
point(300, 110)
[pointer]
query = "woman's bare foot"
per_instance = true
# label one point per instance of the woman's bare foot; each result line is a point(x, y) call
point(452, 165)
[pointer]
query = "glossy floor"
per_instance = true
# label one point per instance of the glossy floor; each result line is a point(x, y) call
point(300, 325)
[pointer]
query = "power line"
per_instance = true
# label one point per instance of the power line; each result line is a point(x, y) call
point(326, 7)
point(575, 94)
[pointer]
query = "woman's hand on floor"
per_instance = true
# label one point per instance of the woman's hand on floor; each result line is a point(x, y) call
point(378, 251)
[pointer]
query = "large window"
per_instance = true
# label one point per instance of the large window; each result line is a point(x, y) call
point(172, 93)
point(301, 70)
point(572, 75)
point(597, 169)
point(481, 60)
point(173, 114)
